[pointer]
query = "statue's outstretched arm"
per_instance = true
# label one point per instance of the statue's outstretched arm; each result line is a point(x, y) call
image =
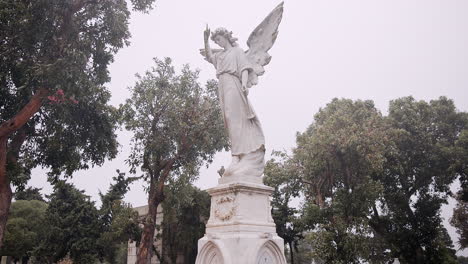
point(208, 52)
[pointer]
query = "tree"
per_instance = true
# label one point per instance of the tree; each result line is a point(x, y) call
point(25, 229)
point(123, 227)
point(73, 227)
point(462, 260)
point(376, 184)
point(418, 170)
point(460, 213)
point(30, 193)
point(53, 105)
point(186, 209)
point(118, 220)
point(177, 127)
point(280, 174)
point(460, 221)
point(304, 251)
point(336, 158)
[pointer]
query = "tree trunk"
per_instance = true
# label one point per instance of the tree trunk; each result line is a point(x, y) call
point(291, 254)
point(5, 189)
point(413, 253)
point(156, 196)
point(319, 200)
point(149, 226)
point(158, 255)
point(420, 258)
point(25, 260)
point(6, 130)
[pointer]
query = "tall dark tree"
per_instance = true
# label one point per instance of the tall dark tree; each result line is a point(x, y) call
point(460, 213)
point(177, 127)
point(460, 221)
point(116, 192)
point(186, 209)
point(376, 183)
point(54, 56)
point(462, 260)
point(73, 227)
point(336, 158)
point(418, 170)
point(118, 220)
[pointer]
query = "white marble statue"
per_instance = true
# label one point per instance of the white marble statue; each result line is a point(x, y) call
point(237, 72)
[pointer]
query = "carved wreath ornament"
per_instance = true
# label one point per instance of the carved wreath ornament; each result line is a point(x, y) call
point(225, 208)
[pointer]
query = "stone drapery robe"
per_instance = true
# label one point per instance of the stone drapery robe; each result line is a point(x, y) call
point(242, 125)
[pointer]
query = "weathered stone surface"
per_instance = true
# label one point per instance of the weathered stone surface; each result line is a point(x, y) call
point(240, 228)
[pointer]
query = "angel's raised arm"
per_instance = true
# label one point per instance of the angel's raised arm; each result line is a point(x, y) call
point(208, 53)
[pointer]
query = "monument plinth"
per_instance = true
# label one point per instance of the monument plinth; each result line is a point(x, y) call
point(240, 228)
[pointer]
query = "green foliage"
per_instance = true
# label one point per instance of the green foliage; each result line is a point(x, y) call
point(374, 185)
point(460, 221)
point(30, 193)
point(303, 252)
point(185, 212)
point(462, 260)
point(342, 149)
point(338, 245)
point(64, 46)
point(121, 254)
point(115, 193)
point(280, 174)
point(123, 227)
point(25, 228)
point(336, 159)
point(461, 164)
point(419, 169)
point(460, 213)
point(73, 227)
point(173, 117)
point(119, 222)
point(177, 127)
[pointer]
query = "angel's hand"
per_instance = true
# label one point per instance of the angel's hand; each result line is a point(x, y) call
point(207, 33)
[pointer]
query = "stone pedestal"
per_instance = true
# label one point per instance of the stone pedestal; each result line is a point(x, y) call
point(240, 229)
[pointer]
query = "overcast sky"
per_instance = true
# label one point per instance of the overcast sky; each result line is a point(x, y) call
point(358, 49)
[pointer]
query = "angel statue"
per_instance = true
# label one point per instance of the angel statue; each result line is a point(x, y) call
point(237, 71)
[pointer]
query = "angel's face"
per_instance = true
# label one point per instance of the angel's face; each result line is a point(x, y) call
point(221, 41)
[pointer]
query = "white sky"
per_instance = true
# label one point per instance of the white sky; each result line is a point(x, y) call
point(358, 49)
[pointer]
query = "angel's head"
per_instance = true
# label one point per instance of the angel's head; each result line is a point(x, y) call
point(223, 37)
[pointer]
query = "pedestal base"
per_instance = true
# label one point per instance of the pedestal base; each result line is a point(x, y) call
point(240, 229)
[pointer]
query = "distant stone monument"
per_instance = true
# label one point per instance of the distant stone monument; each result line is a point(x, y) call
point(240, 229)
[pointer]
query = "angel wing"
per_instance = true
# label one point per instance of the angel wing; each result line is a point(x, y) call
point(260, 41)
